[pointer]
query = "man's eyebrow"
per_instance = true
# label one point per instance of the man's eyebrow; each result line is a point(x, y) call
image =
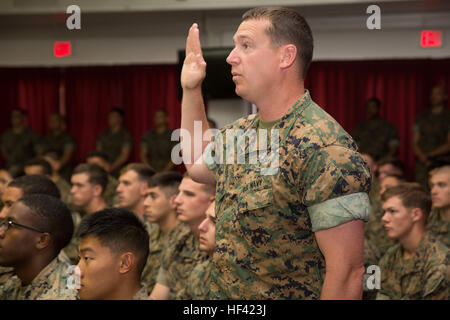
point(241, 37)
point(84, 250)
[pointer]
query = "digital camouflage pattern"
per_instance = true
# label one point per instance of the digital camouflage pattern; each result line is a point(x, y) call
point(375, 136)
point(64, 188)
point(433, 130)
point(5, 274)
point(49, 284)
point(156, 245)
point(198, 283)
point(371, 253)
point(423, 276)
point(110, 195)
point(159, 148)
point(71, 250)
point(179, 257)
point(438, 227)
point(142, 294)
point(265, 243)
point(21, 147)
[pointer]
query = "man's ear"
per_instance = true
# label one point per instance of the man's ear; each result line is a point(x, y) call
point(127, 262)
point(98, 190)
point(288, 55)
point(416, 214)
point(144, 189)
point(173, 205)
point(43, 241)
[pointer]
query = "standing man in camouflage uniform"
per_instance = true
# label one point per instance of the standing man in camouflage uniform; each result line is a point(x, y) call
point(431, 134)
point(156, 144)
point(19, 144)
point(182, 252)
point(439, 221)
point(376, 136)
point(32, 235)
point(116, 142)
point(160, 210)
point(199, 281)
point(416, 267)
point(60, 142)
point(113, 251)
point(297, 232)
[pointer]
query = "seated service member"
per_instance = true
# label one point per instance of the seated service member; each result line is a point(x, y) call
point(199, 280)
point(160, 210)
point(182, 252)
point(32, 235)
point(415, 268)
point(439, 221)
point(296, 232)
point(101, 159)
point(113, 251)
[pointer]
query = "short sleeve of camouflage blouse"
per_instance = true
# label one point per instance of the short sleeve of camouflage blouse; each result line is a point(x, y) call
point(333, 187)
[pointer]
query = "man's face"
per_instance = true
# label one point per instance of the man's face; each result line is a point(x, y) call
point(99, 270)
point(130, 190)
point(54, 122)
point(372, 109)
point(254, 60)
point(192, 202)
point(157, 205)
point(17, 243)
point(17, 119)
point(100, 162)
point(5, 178)
point(388, 182)
point(437, 96)
point(9, 197)
point(160, 119)
point(388, 170)
point(114, 119)
point(440, 189)
point(29, 170)
point(82, 190)
point(207, 230)
point(397, 219)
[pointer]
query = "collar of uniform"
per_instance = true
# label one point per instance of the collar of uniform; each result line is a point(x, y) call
point(285, 123)
point(417, 261)
point(142, 294)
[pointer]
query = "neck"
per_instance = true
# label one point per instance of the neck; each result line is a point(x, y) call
point(18, 129)
point(160, 128)
point(96, 204)
point(116, 129)
point(437, 108)
point(139, 209)
point(168, 223)
point(29, 270)
point(125, 291)
point(445, 213)
point(411, 241)
point(272, 107)
point(193, 225)
point(56, 131)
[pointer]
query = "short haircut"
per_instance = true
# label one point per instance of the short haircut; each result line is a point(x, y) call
point(144, 171)
point(16, 171)
point(210, 189)
point(96, 174)
point(20, 110)
point(287, 27)
point(438, 164)
point(98, 154)
point(118, 111)
point(376, 101)
point(397, 163)
point(35, 184)
point(53, 217)
point(396, 176)
point(46, 167)
point(163, 111)
point(412, 195)
point(120, 230)
point(211, 121)
point(168, 182)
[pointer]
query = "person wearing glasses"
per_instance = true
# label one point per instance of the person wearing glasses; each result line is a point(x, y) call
point(16, 189)
point(32, 235)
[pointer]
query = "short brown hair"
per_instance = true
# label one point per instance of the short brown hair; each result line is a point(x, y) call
point(143, 171)
point(96, 174)
point(287, 26)
point(210, 189)
point(411, 194)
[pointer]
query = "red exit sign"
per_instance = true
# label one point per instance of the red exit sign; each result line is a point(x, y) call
point(62, 49)
point(431, 38)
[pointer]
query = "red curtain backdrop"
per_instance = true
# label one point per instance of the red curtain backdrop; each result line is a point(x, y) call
point(403, 87)
point(340, 87)
point(140, 90)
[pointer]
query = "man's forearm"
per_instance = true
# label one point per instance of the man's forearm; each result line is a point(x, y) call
point(343, 285)
point(444, 149)
point(192, 109)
